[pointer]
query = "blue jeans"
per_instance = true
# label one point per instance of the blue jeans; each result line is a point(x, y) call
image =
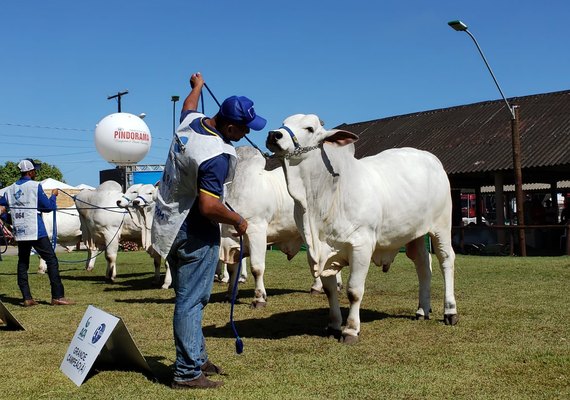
point(193, 264)
point(45, 251)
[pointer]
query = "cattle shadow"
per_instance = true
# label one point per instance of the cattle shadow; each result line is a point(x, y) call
point(135, 284)
point(121, 280)
point(245, 296)
point(290, 323)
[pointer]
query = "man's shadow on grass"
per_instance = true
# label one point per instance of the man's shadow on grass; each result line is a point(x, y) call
point(15, 301)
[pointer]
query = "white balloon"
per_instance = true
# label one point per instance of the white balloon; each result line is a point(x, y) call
point(122, 138)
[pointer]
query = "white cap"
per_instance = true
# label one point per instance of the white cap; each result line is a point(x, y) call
point(26, 165)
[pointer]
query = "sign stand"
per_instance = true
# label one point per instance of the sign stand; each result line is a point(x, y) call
point(8, 321)
point(101, 339)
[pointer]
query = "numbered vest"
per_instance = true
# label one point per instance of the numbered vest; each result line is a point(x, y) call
point(23, 201)
point(178, 190)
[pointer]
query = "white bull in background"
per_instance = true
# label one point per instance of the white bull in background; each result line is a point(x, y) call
point(351, 211)
point(261, 198)
point(68, 229)
point(141, 199)
point(101, 223)
point(222, 275)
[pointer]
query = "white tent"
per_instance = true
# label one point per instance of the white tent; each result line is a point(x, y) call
point(50, 183)
point(84, 186)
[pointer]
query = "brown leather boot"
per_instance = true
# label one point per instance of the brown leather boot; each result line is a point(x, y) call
point(209, 369)
point(199, 383)
point(61, 302)
point(29, 303)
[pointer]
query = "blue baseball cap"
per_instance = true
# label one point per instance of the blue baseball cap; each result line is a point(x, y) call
point(239, 109)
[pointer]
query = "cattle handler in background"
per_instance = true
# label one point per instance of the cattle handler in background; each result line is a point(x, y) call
point(26, 200)
point(186, 221)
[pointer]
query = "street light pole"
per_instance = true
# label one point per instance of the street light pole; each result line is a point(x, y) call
point(174, 100)
point(515, 138)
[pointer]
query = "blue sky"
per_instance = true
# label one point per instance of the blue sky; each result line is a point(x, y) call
point(345, 61)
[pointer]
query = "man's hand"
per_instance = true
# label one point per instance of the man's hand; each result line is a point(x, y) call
point(55, 192)
point(191, 101)
point(196, 81)
point(241, 227)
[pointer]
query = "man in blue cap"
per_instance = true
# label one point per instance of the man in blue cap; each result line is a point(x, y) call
point(26, 200)
point(188, 212)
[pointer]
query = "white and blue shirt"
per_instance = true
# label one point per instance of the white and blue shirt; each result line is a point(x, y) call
point(26, 200)
point(204, 163)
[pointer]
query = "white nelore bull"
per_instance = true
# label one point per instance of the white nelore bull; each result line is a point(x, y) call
point(351, 211)
point(140, 198)
point(68, 229)
point(261, 198)
point(101, 223)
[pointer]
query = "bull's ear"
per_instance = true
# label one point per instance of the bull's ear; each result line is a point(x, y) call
point(340, 137)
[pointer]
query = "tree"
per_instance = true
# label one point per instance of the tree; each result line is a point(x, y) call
point(10, 173)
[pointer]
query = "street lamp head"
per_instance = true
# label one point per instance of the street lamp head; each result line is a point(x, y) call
point(457, 25)
point(175, 98)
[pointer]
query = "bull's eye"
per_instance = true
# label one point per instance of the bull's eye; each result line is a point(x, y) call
point(310, 129)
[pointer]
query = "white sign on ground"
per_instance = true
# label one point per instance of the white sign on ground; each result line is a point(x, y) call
point(100, 337)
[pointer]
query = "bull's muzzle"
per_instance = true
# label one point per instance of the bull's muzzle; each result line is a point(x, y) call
point(272, 138)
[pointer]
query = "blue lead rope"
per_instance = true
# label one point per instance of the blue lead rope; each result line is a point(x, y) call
point(239, 343)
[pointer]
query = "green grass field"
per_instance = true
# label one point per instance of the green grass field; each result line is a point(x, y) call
point(511, 342)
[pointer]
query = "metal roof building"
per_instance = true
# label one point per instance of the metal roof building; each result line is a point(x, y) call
point(474, 141)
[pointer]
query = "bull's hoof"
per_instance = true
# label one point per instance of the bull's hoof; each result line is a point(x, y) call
point(258, 304)
point(165, 286)
point(41, 271)
point(421, 317)
point(333, 333)
point(315, 292)
point(450, 319)
point(349, 339)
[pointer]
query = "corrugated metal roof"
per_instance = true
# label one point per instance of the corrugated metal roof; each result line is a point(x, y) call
point(475, 139)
